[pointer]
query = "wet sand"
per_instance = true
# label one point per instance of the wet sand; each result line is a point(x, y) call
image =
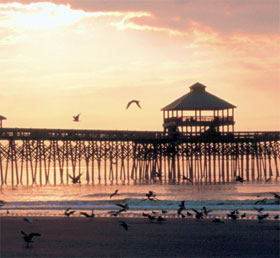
point(104, 237)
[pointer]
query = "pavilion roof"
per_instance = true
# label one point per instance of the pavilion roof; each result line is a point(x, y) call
point(2, 118)
point(198, 99)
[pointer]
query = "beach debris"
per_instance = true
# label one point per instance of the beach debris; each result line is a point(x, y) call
point(76, 118)
point(68, 213)
point(91, 216)
point(115, 193)
point(205, 211)
point(261, 217)
point(28, 237)
point(29, 220)
point(123, 224)
point(198, 214)
point(187, 178)
point(239, 179)
point(262, 201)
point(217, 220)
point(76, 179)
point(137, 102)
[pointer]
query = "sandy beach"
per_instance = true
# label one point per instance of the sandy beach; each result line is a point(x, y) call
point(104, 237)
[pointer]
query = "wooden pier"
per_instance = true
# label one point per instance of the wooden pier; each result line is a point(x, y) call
point(49, 156)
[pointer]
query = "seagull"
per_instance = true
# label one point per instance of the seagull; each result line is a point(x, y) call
point(28, 238)
point(123, 206)
point(189, 214)
point(263, 201)
point(216, 220)
point(182, 205)
point(259, 210)
point(276, 196)
point(243, 215)
point(2, 203)
point(186, 178)
point(76, 118)
point(150, 217)
point(158, 174)
point(205, 211)
point(87, 215)
point(137, 102)
point(179, 211)
point(114, 213)
point(123, 224)
point(68, 213)
point(239, 179)
point(151, 196)
point(145, 214)
point(76, 179)
point(198, 215)
point(233, 214)
point(262, 216)
point(276, 217)
point(115, 193)
point(29, 220)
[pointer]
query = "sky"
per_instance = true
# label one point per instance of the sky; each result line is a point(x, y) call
point(60, 58)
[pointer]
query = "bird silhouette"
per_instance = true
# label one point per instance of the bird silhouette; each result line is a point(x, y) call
point(76, 118)
point(137, 102)
point(88, 215)
point(124, 207)
point(233, 214)
point(259, 210)
point(243, 215)
point(205, 211)
point(29, 220)
point(239, 179)
point(186, 178)
point(198, 214)
point(115, 193)
point(68, 213)
point(151, 196)
point(123, 224)
point(276, 196)
point(261, 217)
point(28, 237)
point(160, 219)
point(76, 179)
point(263, 201)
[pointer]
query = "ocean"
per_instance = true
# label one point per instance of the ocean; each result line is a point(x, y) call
point(221, 198)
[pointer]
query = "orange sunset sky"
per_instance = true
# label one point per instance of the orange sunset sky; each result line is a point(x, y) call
point(63, 57)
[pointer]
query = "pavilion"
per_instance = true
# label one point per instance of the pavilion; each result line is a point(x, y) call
point(199, 111)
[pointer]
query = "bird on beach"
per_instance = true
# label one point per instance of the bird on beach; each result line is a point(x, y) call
point(151, 196)
point(68, 213)
point(151, 217)
point(160, 219)
point(137, 102)
point(233, 214)
point(243, 215)
point(123, 224)
point(76, 179)
point(259, 210)
point(205, 211)
point(261, 217)
point(115, 193)
point(28, 237)
point(198, 214)
point(88, 215)
point(182, 205)
point(276, 216)
point(76, 118)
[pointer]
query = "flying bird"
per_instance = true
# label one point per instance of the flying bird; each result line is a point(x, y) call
point(115, 193)
point(259, 210)
point(76, 118)
point(239, 179)
point(137, 102)
point(263, 201)
point(160, 219)
point(76, 179)
point(28, 238)
point(276, 196)
point(88, 215)
point(68, 213)
point(198, 214)
point(124, 207)
point(186, 178)
point(243, 215)
point(123, 224)
point(262, 216)
point(205, 211)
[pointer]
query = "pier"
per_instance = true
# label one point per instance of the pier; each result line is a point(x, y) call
point(192, 147)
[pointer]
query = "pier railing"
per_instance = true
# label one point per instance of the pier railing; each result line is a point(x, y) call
point(134, 136)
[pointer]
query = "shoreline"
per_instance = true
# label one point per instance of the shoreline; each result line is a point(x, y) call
point(174, 237)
